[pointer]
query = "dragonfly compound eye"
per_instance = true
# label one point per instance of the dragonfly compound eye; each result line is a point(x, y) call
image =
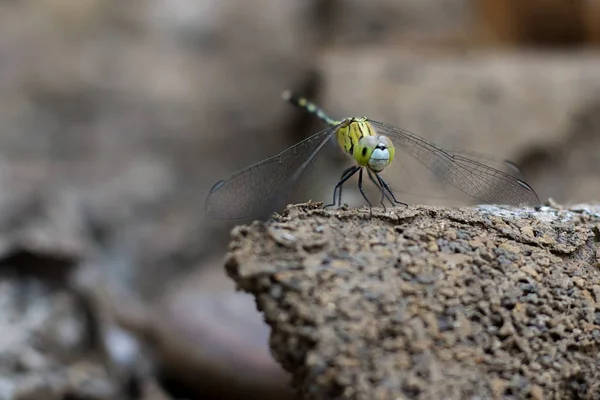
point(376, 152)
point(363, 150)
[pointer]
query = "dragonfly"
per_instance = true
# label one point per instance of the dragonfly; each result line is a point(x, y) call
point(258, 190)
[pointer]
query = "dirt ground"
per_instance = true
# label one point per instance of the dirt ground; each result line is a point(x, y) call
point(429, 302)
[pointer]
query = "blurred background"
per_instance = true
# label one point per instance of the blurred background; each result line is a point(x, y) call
point(117, 117)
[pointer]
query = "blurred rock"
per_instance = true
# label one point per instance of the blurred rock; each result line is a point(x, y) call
point(534, 22)
point(135, 110)
point(390, 22)
point(45, 345)
point(50, 346)
point(152, 391)
point(207, 330)
point(539, 23)
point(127, 113)
point(200, 339)
point(592, 20)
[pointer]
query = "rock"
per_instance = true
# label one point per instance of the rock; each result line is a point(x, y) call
point(206, 339)
point(118, 117)
point(54, 343)
point(136, 110)
point(543, 24)
point(206, 329)
point(44, 349)
point(389, 22)
point(375, 312)
point(532, 22)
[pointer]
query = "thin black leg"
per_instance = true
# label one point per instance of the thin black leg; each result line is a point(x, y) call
point(347, 174)
point(338, 185)
point(360, 188)
point(387, 188)
point(339, 197)
point(384, 193)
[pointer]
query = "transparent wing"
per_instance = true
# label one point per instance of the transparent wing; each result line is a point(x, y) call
point(506, 166)
point(262, 188)
point(474, 178)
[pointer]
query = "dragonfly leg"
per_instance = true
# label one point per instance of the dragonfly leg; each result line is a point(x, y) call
point(386, 187)
point(360, 188)
point(347, 174)
point(384, 193)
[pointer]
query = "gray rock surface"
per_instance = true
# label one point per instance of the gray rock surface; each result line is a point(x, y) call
point(55, 343)
point(47, 350)
point(429, 302)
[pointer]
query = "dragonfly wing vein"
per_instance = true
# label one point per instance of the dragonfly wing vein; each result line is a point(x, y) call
point(257, 190)
point(473, 178)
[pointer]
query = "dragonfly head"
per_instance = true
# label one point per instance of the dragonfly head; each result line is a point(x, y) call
point(375, 152)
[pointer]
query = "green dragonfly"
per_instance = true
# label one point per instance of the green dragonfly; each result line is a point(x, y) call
point(258, 190)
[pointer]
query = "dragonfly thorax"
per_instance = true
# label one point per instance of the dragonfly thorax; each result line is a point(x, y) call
point(374, 152)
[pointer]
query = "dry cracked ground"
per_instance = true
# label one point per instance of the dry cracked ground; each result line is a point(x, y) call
point(429, 302)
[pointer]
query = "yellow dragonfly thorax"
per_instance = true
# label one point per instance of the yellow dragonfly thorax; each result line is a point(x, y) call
point(357, 138)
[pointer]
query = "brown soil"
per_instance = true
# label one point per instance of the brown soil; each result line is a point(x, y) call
point(428, 302)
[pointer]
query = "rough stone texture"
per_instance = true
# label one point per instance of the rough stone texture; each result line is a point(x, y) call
point(54, 344)
point(42, 347)
point(429, 302)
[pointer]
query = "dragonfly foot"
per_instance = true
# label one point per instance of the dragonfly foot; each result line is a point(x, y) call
point(398, 202)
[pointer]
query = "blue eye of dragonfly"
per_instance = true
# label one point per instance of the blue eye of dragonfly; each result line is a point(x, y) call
point(260, 189)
